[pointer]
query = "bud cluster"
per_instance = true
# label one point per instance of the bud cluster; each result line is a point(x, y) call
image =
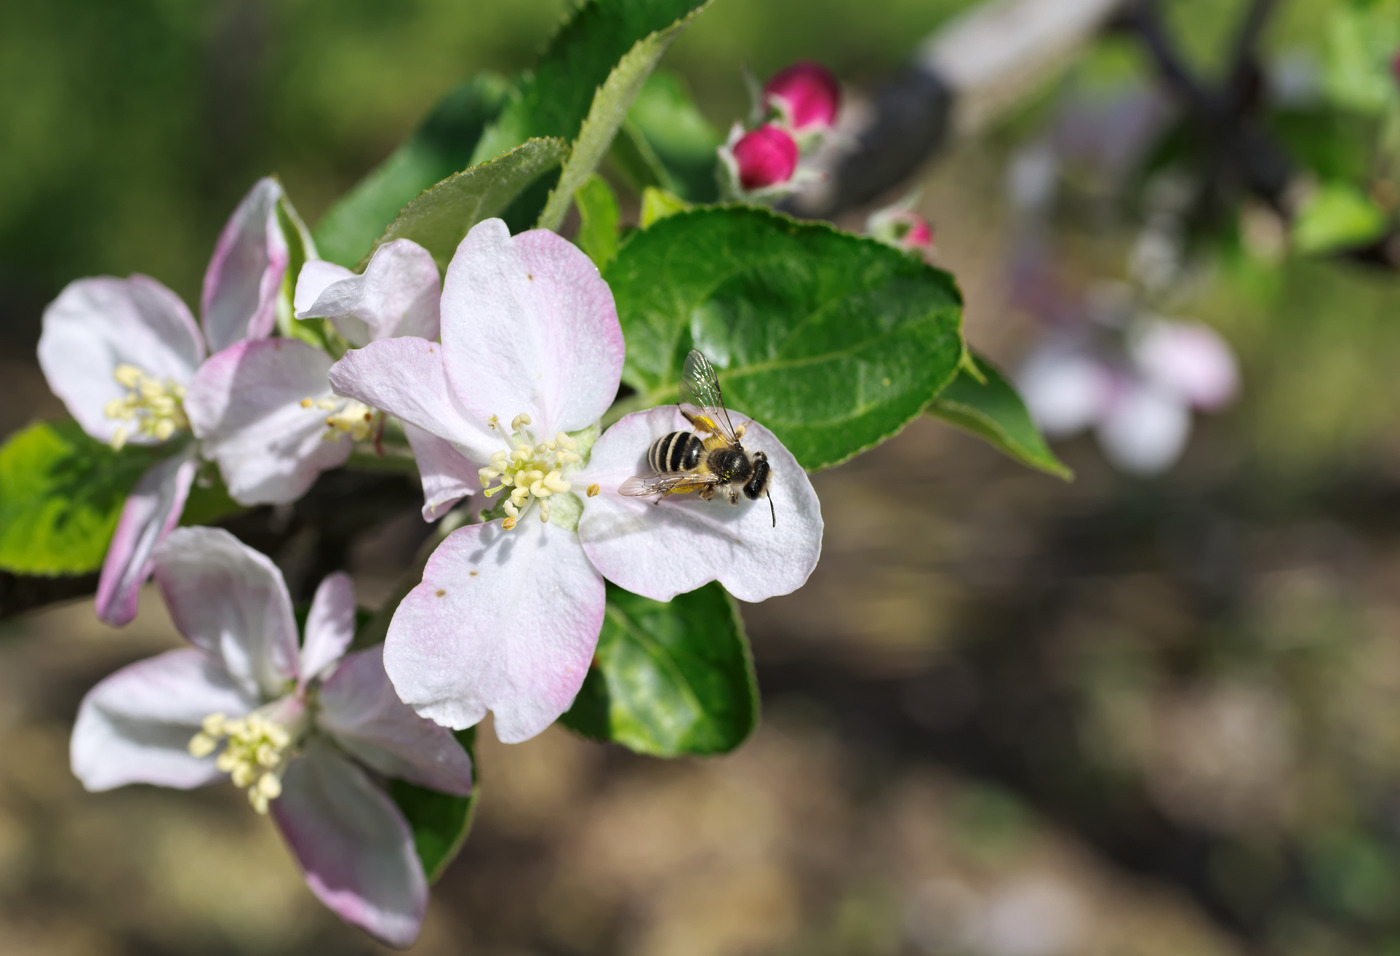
point(795, 113)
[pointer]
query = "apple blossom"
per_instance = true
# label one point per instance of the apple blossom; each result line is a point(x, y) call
point(761, 158)
point(309, 732)
point(264, 409)
point(122, 353)
point(805, 95)
point(508, 612)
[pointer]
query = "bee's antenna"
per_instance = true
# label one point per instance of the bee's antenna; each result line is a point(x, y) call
point(771, 509)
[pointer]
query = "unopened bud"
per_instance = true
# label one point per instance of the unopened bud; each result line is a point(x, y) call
point(806, 95)
point(766, 156)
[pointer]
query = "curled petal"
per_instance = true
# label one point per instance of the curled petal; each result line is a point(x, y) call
point(152, 509)
point(397, 295)
point(529, 326)
point(330, 625)
point(135, 726)
point(661, 550)
point(447, 476)
point(98, 324)
point(1146, 429)
point(249, 404)
point(314, 278)
point(353, 844)
point(1065, 389)
point(505, 621)
point(360, 709)
point(1190, 360)
point(245, 273)
point(230, 601)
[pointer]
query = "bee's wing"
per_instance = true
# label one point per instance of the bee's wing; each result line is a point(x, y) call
point(700, 387)
point(642, 486)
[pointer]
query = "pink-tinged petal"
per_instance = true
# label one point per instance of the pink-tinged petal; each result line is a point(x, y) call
point(1146, 429)
point(315, 277)
point(406, 377)
point(353, 844)
point(231, 601)
point(330, 625)
point(152, 509)
point(447, 476)
point(135, 726)
point(360, 709)
point(1190, 360)
point(246, 404)
point(505, 621)
point(529, 326)
point(97, 324)
point(397, 295)
point(1065, 389)
point(661, 550)
point(245, 273)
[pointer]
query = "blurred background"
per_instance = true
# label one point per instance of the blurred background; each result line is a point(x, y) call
point(1008, 716)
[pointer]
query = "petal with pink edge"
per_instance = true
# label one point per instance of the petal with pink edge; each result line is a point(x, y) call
point(353, 844)
point(1145, 431)
point(231, 601)
point(406, 378)
point(1065, 389)
point(661, 550)
point(360, 709)
point(239, 300)
point(135, 726)
point(397, 295)
point(505, 621)
point(97, 324)
point(246, 403)
point(447, 476)
point(330, 625)
point(530, 326)
point(1190, 360)
point(152, 509)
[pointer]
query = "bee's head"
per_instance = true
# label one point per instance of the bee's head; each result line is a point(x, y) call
point(758, 482)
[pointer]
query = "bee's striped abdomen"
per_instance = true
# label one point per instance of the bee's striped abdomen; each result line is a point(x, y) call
point(676, 452)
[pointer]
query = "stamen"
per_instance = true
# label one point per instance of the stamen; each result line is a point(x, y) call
point(258, 746)
point(348, 417)
point(532, 470)
point(151, 407)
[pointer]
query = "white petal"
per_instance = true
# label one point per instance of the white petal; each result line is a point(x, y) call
point(97, 324)
point(397, 295)
point(315, 277)
point(245, 273)
point(152, 509)
point(135, 726)
point(530, 326)
point(505, 621)
point(330, 625)
point(447, 476)
point(246, 403)
point(1065, 388)
point(661, 550)
point(231, 601)
point(1190, 360)
point(1145, 431)
point(353, 844)
point(360, 709)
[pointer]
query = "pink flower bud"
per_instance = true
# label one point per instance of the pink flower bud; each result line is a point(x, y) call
point(765, 156)
point(918, 234)
point(807, 94)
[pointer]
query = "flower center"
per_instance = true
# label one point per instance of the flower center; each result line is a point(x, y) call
point(347, 417)
point(150, 406)
point(533, 471)
point(258, 746)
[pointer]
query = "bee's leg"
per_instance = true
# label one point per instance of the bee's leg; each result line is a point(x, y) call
point(734, 497)
point(707, 492)
point(739, 432)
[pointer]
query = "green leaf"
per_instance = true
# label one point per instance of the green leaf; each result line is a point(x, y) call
point(657, 204)
point(61, 493)
point(673, 136)
point(439, 821)
point(439, 218)
point(598, 220)
point(605, 116)
point(669, 679)
point(1361, 45)
point(832, 341)
point(992, 410)
point(554, 99)
point(1335, 216)
point(441, 146)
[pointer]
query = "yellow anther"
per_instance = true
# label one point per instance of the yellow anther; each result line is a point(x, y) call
point(154, 407)
point(566, 441)
point(508, 524)
point(348, 417)
point(307, 403)
point(519, 422)
point(532, 470)
point(593, 490)
point(128, 376)
point(202, 745)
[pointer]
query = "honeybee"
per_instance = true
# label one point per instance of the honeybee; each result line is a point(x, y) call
point(708, 459)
